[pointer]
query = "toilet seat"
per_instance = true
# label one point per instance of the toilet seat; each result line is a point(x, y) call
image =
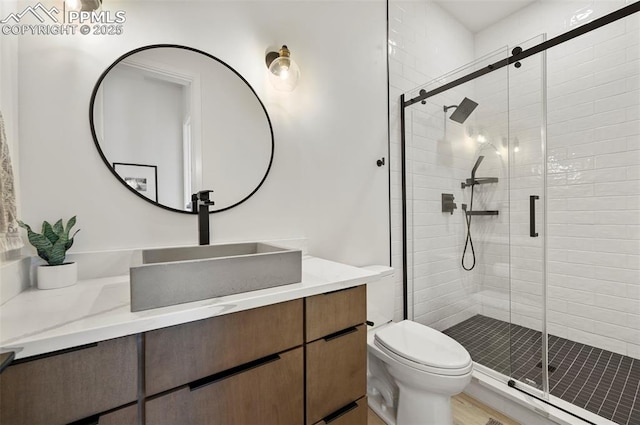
point(423, 348)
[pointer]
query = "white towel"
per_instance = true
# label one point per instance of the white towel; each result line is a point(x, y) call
point(9, 235)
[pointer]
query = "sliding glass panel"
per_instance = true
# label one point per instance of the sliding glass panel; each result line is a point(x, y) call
point(594, 220)
point(527, 233)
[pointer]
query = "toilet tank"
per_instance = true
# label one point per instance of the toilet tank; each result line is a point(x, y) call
point(381, 296)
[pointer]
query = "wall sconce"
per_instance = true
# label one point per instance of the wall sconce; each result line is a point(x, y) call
point(83, 5)
point(283, 71)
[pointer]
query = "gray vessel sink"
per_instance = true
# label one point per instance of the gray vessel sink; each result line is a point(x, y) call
point(171, 276)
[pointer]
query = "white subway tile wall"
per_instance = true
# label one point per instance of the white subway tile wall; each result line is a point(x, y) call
point(424, 43)
point(593, 174)
point(593, 237)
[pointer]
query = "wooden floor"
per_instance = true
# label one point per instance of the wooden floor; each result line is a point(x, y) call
point(466, 411)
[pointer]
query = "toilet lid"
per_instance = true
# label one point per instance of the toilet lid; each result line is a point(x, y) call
point(421, 344)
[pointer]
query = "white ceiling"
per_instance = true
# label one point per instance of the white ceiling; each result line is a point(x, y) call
point(477, 15)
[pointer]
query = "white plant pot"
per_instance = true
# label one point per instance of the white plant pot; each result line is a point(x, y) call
point(52, 277)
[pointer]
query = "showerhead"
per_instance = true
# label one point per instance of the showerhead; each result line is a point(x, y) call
point(463, 110)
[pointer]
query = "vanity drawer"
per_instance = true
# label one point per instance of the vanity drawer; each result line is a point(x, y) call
point(268, 393)
point(181, 354)
point(354, 413)
point(71, 385)
point(336, 369)
point(334, 311)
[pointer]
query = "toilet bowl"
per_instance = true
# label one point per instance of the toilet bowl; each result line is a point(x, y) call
point(413, 370)
point(427, 368)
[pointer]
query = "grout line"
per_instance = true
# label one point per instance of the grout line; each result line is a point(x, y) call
point(577, 374)
point(573, 344)
point(600, 380)
point(623, 387)
point(635, 400)
point(613, 379)
point(587, 379)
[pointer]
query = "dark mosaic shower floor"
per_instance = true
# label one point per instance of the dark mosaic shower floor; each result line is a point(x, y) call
point(605, 383)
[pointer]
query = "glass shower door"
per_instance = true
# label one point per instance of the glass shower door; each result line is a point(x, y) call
point(475, 186)
point(457, 188)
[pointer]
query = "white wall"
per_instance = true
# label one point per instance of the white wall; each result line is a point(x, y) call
point(143, 125)
point(324, 184)
point(424, 43)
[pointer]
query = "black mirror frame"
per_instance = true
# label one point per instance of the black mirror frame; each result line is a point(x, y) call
point(108, 164)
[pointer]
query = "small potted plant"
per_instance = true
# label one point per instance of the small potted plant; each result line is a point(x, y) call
point(52, 245)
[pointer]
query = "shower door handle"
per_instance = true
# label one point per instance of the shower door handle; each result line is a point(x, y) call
point(532, 216)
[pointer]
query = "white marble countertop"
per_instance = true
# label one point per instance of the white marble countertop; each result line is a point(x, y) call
point(41, 321)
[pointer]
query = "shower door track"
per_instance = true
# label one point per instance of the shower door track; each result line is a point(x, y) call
point(512, 383)
point(481, 373)
point(519, 54)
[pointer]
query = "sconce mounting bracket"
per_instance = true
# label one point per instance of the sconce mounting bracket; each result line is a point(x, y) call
point(271, 56)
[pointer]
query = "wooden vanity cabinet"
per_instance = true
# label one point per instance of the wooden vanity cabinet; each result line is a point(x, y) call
point(71, 385)
point(297, 362)
point(336, 356)
point(255, 366)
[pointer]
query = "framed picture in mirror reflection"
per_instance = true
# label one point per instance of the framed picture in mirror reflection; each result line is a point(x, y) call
point(140, 177)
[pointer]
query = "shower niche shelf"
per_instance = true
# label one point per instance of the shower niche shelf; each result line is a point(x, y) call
point(489, 212)
point(478, 180)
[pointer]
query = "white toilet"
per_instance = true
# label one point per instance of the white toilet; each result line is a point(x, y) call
point(413, 370)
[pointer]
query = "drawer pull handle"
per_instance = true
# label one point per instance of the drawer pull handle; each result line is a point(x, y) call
point(91, 420)
point(55, 353)
point(216, 377)
point(343, 410)
point(340, 333)
point(6, 359)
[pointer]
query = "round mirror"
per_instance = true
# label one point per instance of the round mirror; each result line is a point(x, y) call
point(170, 121)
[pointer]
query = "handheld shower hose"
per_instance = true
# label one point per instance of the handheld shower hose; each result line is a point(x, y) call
point(468, 243)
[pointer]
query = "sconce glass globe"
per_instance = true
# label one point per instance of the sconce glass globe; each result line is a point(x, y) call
point(83, 5)
point(283, 71)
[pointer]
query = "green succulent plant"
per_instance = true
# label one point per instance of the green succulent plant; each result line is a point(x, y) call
point(54, 241)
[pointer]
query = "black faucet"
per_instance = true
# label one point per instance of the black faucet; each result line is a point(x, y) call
point(200, 203)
